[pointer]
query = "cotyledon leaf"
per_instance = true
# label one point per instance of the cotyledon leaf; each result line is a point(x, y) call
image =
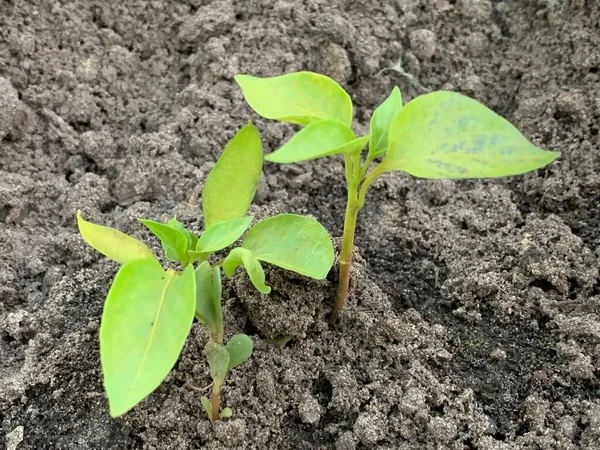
point(231, 184)
point(319, 139)
point(380, 123)
point(218, 361)
point(222, 234)
point(146, 319)
point(240, 348)
point(447, 135)
point(293, 242)
point(112, 243)
point(299, 97)
point(239, 256)
point(208, 297)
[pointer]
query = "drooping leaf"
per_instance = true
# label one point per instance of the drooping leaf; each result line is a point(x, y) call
point(208, 297)
point(222, 234)
point(380, 123)
point(218, 361)
point(112, 243)
point(231, 184)
point(207, 405)
point(240, 349)
point(146, 319)
point(448, 135)
point(300, 98)
point(293, 242)
point(319, 139)
point(239, 256)
point(174, 242)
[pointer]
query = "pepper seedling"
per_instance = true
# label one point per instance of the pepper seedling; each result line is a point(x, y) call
point(440, 135)
point(149, 311)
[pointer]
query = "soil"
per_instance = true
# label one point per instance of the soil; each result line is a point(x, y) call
point(474, 321)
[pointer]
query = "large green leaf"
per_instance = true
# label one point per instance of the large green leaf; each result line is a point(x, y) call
point(174, 242)
point(380, 123)
point(448, 135)
point(208, 297)
point(231, 184)
point(293, 242)
point(112, 243)
point(222, 234)
point(239, 348)
point(319, 139)
point(299, 97)
point(239, 256)
point(147, 316)
point(218, 361)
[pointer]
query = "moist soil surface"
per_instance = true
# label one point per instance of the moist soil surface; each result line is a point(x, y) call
point(474, 320)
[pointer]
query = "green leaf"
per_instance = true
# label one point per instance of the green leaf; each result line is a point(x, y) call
point(319, 139)
point(174, 223)
point(293, 242)
point(240, 348)
point(231, 184)
point(146, 319)
point(226, 413)
point(112, 243)
point(448, 135)
point(218, 361)
point(222, 234)
point(255, 271)
point(174, 242)
point(207, 405)
point(208, 297)
point(380, 123)
point(300, 98)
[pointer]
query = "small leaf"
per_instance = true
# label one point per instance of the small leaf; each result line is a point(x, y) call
point(174, 223)
point(231, 184)
point(222, 234)
point(380, 123)
point(112, 243)
point(207, 405)
point(300, 97)
point(293, 242)
point(208, 297)
point(255, 271)
point(226, 413)
point(174, 242)
point(240, 349)
point(218, 361)
point(146, 319)
point(319, 139)
point(448, 135)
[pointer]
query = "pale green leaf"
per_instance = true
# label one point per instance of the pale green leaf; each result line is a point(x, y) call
point(231, 184)
point(208, 297)
point(222, 234)
point(240, 349)
point(112, 243)
point(226, 413)
point(319, 139)
point(174, 242)
point(239, 256)
point(218, 361)
point(380, 123)
point(207, 405)
point(299, 97)
point(174, 223)
point(448, 135)
point(293, 242)
point(146, 319)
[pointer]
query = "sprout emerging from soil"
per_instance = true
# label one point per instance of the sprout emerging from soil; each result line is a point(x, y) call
point(149, 311)
point(437, 135)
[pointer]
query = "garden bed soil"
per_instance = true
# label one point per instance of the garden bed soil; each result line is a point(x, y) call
point(474, 321)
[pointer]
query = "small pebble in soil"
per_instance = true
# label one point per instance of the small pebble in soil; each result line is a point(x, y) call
point(309, 410)
point(422, 43)
point(231, 432)
point(346, 442)
point(369, 428)
point(498, 355)
point(443, 430)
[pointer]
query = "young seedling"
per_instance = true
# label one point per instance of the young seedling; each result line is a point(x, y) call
point(149, 311)
point(437, 135)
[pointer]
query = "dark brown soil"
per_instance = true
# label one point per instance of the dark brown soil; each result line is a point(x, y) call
point(475, 316)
